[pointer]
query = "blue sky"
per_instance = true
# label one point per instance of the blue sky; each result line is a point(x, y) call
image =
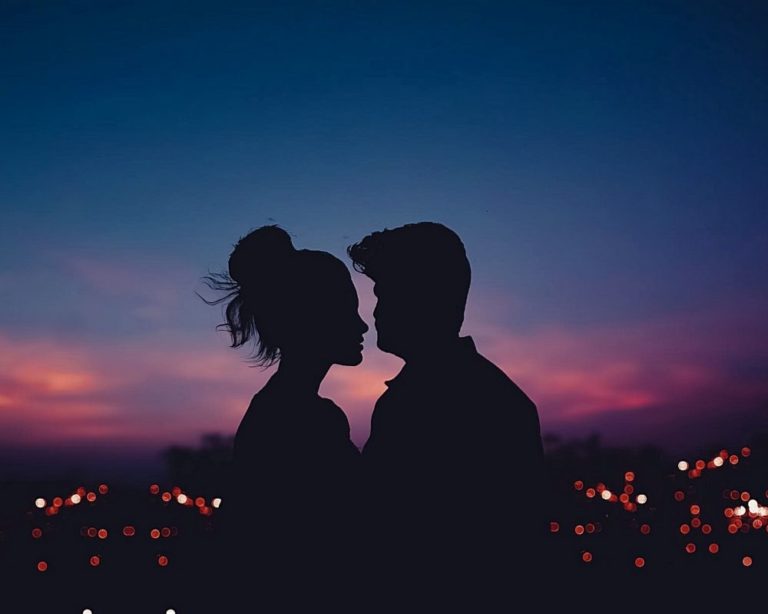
point(604, 163)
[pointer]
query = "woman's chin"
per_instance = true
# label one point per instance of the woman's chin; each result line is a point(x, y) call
point(351, 359)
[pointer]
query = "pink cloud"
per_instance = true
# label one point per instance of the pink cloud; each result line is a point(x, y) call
point(175, 386)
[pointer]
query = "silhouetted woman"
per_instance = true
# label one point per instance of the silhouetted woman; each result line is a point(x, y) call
point(291, 503)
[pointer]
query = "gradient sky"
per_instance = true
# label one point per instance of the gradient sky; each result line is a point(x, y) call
point(605, 163)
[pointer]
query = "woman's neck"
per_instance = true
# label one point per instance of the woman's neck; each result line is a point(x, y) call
point(301, 377)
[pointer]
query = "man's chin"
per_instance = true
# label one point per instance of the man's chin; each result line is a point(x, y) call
point(387, 347)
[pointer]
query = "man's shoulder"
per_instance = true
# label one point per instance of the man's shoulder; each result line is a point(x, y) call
point(491, 383)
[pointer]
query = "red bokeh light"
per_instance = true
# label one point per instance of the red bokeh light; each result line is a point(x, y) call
point(129, 531)
point(645, 529)
point(690, 548)
point(95, 560)
point(586, 557)
point(639, 562)
point(162, 560)
point(42, 566)
point(554, 527)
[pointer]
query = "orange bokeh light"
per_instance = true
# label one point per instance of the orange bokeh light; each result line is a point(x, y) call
point(747, 561)
point(695, 510)
point(629, 476)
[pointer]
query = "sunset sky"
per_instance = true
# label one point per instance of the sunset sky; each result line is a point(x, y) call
point(606, 165)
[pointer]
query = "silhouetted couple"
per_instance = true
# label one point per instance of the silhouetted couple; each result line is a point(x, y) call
point(444, 501)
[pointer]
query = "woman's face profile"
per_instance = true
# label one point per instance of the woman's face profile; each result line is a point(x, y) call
point(332, 328)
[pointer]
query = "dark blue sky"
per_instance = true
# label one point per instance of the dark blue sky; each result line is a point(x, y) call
point(605, 163)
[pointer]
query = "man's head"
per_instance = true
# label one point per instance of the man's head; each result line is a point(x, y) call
point(421, 279)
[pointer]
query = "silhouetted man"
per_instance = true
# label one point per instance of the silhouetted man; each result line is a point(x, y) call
point(454, 459)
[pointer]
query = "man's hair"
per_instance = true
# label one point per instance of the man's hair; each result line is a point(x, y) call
point(426, 252)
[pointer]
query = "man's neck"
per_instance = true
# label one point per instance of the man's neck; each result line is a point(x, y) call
point(436, 351)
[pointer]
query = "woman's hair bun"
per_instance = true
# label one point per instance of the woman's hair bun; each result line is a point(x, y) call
point(265, 249)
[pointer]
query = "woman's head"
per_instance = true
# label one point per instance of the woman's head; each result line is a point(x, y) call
point(289, 300)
